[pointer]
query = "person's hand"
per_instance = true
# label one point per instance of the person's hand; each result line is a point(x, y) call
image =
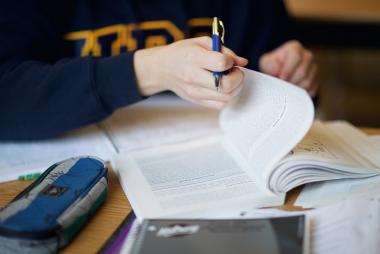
point(293, 63)
point(185, 67)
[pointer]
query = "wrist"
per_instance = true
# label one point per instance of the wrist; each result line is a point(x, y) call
point(145, 66)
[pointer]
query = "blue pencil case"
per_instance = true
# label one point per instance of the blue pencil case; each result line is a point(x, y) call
point(47, 214)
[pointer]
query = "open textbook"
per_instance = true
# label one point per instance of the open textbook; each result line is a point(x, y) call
point(261, 153)
point(226, 170)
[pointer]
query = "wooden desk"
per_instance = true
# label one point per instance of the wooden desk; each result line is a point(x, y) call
point(336, 23)
point(112, 213)
point(337, 10)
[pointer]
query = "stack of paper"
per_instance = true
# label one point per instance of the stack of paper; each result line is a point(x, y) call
point(329, 192)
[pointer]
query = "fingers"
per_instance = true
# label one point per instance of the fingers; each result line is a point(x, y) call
point(205, 103)
point(201, 93)
point(238, 60)
point(205, 79)
point(193, 79)
point(270, 64)
point(211, 60)
point(215, 61)
point(304, 73)
point(309, 83)
point(231, 81)
point(207, 95)
point(292, 58)
point(218, 104)
point(293, 63)
point(198, 76)
point(204, 41)
point(303, 68)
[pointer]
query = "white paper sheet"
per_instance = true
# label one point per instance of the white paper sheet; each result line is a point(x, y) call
point(20, 158)
point(375, 138)
point(159, 120)
point(348, 227)
point(351, 226)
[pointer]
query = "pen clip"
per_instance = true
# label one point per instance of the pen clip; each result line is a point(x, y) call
point(218, 28)
point(223, 30)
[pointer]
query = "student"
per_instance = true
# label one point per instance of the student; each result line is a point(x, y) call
point(67, 64)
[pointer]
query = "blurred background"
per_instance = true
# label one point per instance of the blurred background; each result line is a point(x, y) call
point(345, 38)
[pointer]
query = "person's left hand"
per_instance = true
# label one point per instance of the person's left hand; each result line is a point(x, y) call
point(293, 63)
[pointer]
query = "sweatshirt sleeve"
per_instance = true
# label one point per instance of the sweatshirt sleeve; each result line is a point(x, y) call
point(44, 95)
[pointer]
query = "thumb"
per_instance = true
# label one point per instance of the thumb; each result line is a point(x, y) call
point(238, 60)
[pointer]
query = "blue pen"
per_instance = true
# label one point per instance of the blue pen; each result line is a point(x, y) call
point(217, 40)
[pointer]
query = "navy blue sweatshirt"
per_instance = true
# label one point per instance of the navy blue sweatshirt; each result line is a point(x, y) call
point(66, 64)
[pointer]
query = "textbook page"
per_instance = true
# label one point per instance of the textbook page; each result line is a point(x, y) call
point(159, 120)
point(20, 158)
point(188, 180)
point(360, 147)
point(323, 155)
point(320, 144)
point(266, 121)
point(323, 193)
point(329, 192)
point(351, 226)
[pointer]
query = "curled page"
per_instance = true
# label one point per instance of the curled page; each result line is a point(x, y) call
point(266, 121)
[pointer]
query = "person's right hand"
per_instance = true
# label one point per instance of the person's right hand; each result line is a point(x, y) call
point(185, 67)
